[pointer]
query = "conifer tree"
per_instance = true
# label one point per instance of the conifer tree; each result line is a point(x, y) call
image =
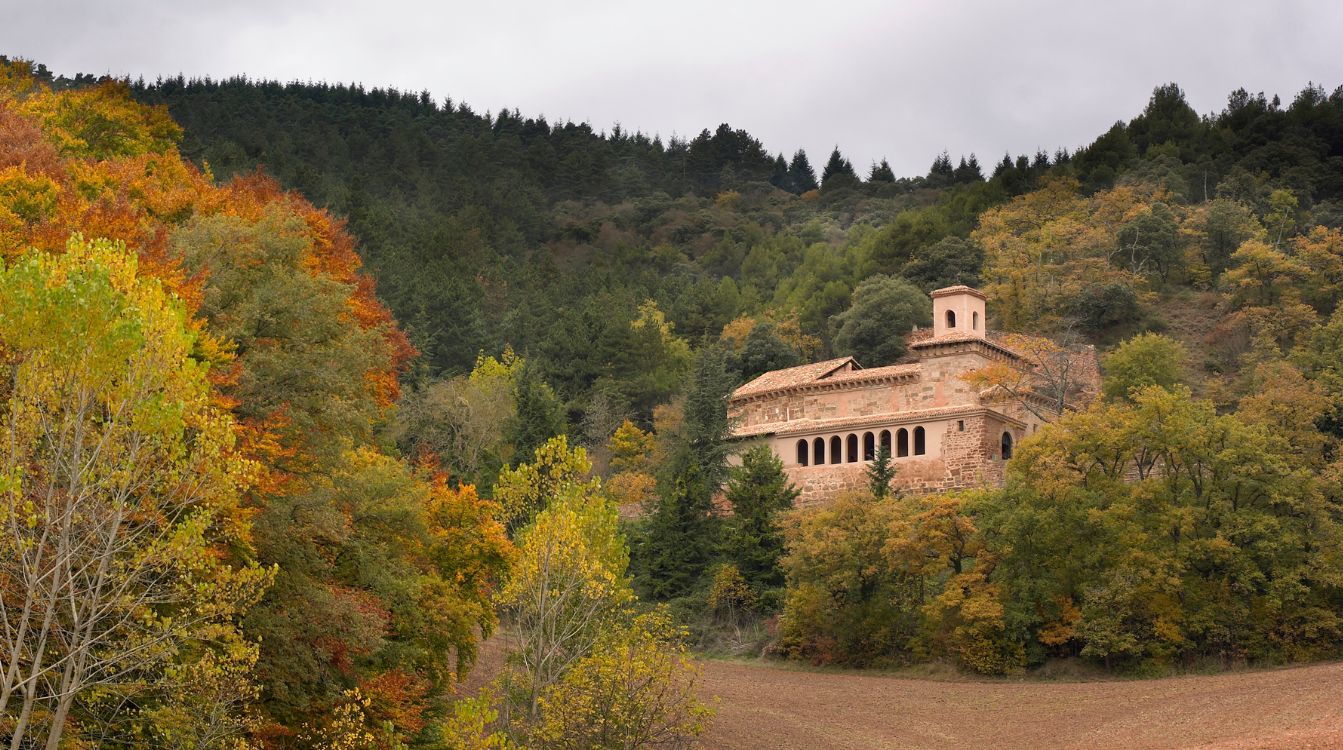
point(881, 173)
point(681, 537)
point(779, 176)
point(758, 491)
point(941, 169)
point(539, 417)
point(837, 168)
point(880, 474)
point(801, 177)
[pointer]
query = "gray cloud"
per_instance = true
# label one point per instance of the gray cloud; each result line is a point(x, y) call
point(903, 80)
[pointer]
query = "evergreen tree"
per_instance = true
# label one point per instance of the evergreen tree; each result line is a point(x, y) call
point(801, 177)
point(779, 176)
point(758, 491)
point(881, 173)
point(681, 536)
point(941, 171)
point(884, 310)
point(540, 415)
point(880, 474)
point(838, 170)
point(763, 351)
point(968, 171)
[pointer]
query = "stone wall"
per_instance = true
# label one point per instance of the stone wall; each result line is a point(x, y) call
point(968, 458)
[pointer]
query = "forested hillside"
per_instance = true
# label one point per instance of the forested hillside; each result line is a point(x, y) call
point(639, 280)
point(280, 451)
point(490, 231)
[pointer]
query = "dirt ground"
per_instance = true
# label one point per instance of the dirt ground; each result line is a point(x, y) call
point(761, 706)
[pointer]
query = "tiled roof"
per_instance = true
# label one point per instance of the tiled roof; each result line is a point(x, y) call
point(873, 373)
point(958, 289)
point(805, 426)
point(792, 376)
point(830, 372)
point(957, 338)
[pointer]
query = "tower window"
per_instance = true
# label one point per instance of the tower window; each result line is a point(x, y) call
point(974, 320)
point(960, 425)
point(1007, 445)
point(951, 318)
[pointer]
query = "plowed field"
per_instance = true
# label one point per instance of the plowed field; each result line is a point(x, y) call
point(770, 707)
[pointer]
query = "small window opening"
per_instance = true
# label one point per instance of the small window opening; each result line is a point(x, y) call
point(918, 441)
point(1007, 445)
point(951, 318)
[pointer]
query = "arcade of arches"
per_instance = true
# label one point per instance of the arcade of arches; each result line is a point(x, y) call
point(856, 447)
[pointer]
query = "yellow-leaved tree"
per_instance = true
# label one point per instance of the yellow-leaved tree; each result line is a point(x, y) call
point(120, 486)
point(585, 670)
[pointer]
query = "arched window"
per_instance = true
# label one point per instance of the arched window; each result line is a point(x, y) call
point(918, 441)
point(869, 447)
point(974, 320)
point(836, 449)
point(802, 453)
point(1007, 445)
point(851, 452)
point(818, 451)
point(951, 318)
point(886, 441)
point(901, 442)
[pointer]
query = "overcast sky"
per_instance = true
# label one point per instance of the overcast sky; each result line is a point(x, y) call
point(901, 80)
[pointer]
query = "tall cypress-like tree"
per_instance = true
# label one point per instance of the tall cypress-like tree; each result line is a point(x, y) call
point(758, 491)
point(681, 537)
point(801, 177)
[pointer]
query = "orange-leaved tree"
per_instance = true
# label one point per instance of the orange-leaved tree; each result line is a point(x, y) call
point(307, 360)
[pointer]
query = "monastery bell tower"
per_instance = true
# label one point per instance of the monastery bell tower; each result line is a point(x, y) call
point(958, 311)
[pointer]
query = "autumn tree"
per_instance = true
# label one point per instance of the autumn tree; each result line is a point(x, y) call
point(555, 470)
point(457, 421)
point(1051, 377)
point(1130, 533)
point(635, 690)
point(1144, 360)
point(588, 672)
point(846, 603)
point(1043, 249)
point(122, 488)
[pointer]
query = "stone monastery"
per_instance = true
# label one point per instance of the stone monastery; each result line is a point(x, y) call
point(826, 421)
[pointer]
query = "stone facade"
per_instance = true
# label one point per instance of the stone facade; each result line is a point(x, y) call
point(942, 432)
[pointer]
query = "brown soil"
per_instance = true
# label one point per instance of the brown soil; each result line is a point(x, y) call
point(761, 706)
